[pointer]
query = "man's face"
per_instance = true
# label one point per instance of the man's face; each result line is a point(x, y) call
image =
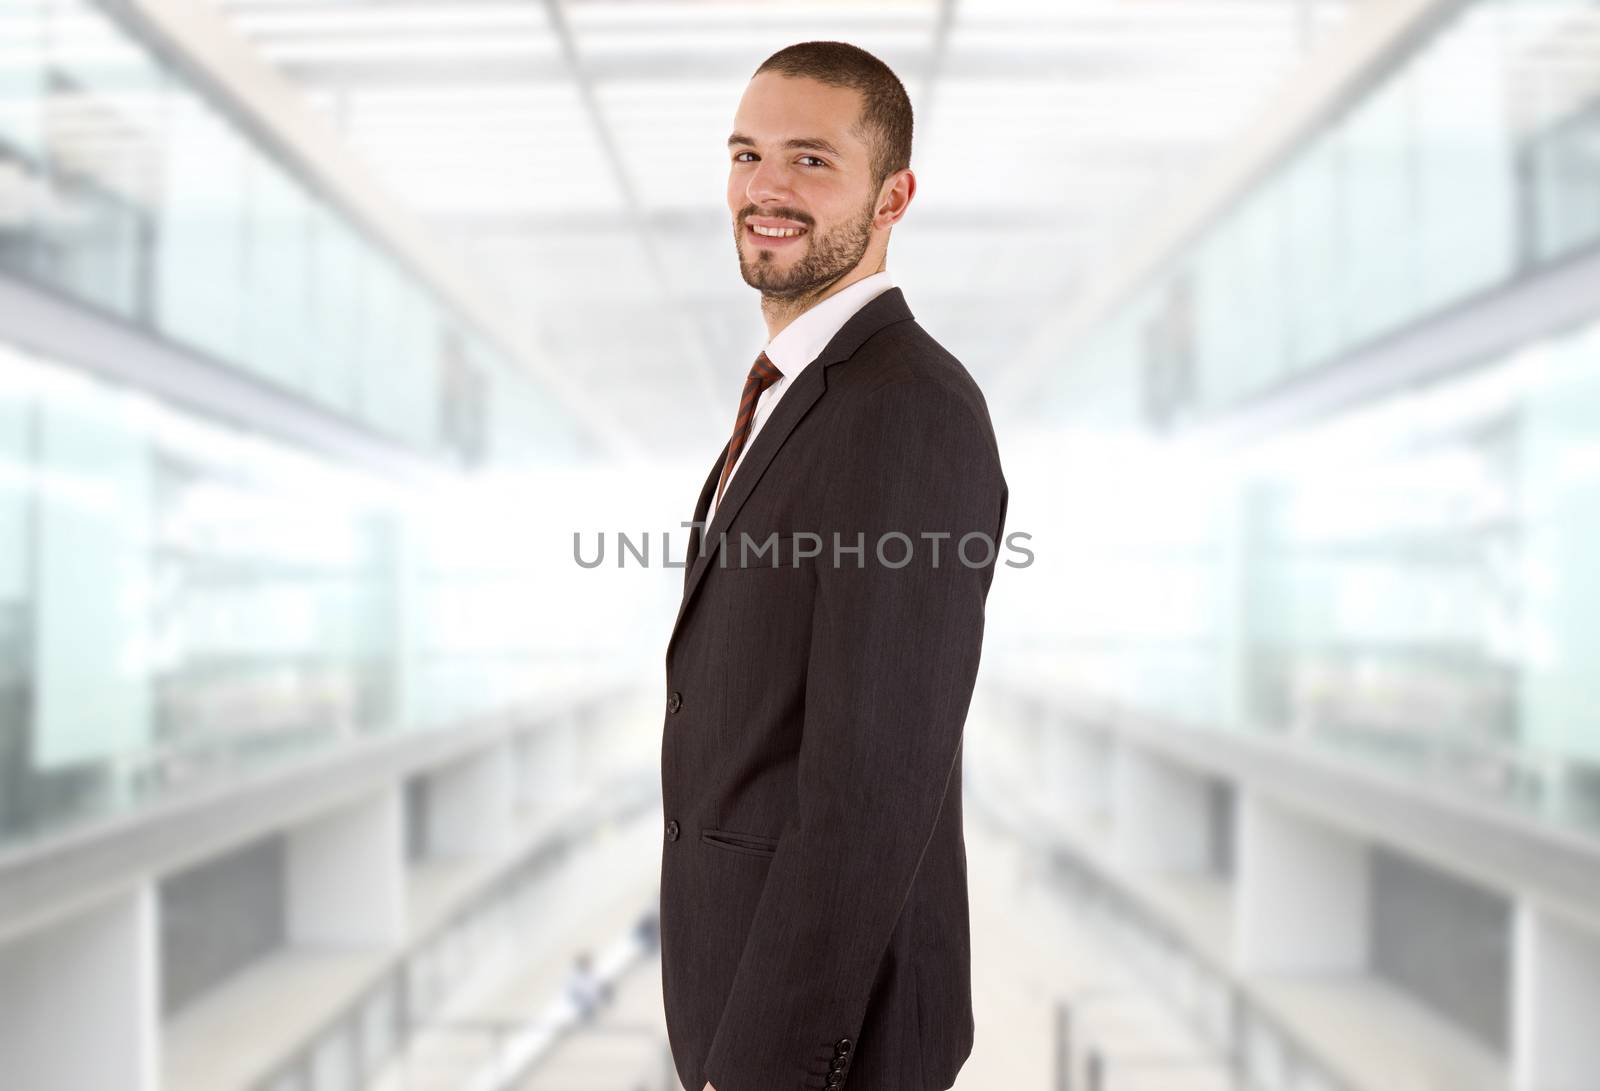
point(798, 171)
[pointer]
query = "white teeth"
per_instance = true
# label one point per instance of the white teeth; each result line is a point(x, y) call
point(776, 232)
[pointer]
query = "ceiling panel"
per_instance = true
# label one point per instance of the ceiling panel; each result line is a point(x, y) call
point(573, 153)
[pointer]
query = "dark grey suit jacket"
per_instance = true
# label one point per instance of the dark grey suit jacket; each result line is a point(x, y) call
point(814, 923)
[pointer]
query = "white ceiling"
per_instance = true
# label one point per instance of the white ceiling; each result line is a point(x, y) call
point(572, 155)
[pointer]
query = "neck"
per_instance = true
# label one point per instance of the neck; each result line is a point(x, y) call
point(779, 312)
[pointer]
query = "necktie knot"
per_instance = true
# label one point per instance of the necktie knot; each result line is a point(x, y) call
point(764, 372)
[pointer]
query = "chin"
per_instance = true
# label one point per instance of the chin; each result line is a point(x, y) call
point(767, 256)
point(761, 278)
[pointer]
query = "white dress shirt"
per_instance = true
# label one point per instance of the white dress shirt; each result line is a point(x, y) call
point(796, 346)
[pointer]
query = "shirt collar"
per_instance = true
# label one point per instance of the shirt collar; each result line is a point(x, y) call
point(803, 340)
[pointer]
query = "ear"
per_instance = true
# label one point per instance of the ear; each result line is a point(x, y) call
point(894, 197)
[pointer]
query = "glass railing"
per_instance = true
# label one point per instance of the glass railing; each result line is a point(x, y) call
point(1411, 585)
point(181, 600)
point(124, 187)
point(1469, 164)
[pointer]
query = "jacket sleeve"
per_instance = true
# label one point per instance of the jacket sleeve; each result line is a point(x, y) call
point(893, 658)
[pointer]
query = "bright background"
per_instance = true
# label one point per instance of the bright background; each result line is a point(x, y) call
point(328, 326)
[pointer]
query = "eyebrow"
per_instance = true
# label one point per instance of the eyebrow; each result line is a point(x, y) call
point(811, 143)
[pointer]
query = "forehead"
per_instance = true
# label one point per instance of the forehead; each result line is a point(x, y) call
point(776, 107)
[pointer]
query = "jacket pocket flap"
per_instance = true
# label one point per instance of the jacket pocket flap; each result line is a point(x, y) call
point(734, 841)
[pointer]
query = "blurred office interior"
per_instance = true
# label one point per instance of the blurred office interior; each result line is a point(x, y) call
point(329, 328)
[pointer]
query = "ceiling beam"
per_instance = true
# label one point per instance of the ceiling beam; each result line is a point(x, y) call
point(1065, 67)
point(705, 375)
point(224, 67)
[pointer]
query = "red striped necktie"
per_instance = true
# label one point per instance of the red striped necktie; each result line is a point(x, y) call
point(763, 373)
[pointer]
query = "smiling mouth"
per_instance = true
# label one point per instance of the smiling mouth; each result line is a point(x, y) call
point(775, 235)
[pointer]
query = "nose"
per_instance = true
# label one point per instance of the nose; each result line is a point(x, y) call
point(767, 183)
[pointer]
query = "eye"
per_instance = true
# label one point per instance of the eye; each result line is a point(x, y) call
point(738, 156)
point(814, 159)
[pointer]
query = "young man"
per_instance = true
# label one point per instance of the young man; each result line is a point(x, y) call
point(814, 924)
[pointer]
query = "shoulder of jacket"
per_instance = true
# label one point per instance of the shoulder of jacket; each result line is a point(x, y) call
point(903, 368)
point(904, 352)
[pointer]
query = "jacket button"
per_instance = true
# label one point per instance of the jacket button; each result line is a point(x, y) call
point(672, 830)
point(834, 1079)
point(674, 701)
point(837, 1065)
point(842, 1046)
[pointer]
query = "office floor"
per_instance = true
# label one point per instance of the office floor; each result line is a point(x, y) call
point(1029, 954)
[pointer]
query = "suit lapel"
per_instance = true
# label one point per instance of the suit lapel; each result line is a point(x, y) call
point(882, 310)
point(702, 506)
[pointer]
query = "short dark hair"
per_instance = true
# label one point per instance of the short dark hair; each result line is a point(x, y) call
point(885, 120)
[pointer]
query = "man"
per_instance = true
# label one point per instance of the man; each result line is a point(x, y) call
point(814, 924)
